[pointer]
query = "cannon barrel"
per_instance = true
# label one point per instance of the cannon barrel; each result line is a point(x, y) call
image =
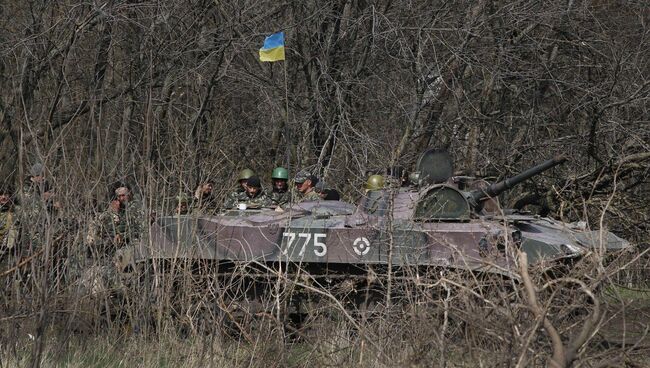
point(497, 188)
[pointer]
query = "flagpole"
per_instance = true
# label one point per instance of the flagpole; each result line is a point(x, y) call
point(286, 110)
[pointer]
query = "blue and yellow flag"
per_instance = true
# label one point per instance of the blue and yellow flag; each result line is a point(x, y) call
point(273, 49)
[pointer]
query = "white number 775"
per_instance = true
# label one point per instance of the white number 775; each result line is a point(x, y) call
point(320, 248)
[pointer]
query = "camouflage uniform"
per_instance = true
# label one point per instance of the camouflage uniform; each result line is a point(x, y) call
point(127, 223)
point(101, 275)
point(310, 196)
point(133, 217)
point(238, 196)
point(260, 200)
point(280, 199)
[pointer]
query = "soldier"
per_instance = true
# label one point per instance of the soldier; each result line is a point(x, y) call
point(244, 175)
point(239, 195)
point(280, 195)
point(36, 203)
point(119, 224)
point(181, 204)
point(256, 198)
point(375, 182)
point(376, 201)
point(36, 175)
point(106, 235)
point(305, 184)
point(204, 200)
point(131, 212)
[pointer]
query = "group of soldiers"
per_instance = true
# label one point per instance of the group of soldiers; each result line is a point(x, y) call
point(30, 220)
point(250, 193)
point(124, 219)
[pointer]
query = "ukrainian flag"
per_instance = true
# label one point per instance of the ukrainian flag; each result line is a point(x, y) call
point(273, 49)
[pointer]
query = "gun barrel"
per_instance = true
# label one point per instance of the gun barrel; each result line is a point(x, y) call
point(500, 187)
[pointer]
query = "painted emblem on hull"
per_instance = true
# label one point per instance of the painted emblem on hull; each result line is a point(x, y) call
point(361, 246)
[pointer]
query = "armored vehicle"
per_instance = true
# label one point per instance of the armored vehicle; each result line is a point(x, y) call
point(355, 253)
point(438, 221)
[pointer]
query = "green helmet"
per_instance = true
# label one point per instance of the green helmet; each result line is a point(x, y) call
point(245, 174)
point(280, 173)
point(375, 182)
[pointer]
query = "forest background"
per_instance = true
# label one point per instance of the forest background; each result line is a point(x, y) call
point(166, 94)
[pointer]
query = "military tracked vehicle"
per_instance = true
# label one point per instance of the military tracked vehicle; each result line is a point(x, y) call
point(440, 221)
point(229, 269)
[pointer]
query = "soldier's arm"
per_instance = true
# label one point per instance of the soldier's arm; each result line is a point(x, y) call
point(266, 201)
point(231, 201)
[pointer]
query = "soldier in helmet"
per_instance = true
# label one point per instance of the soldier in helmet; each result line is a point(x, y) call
point(375, 182)
point(108, 234)
point(255, 195)
point(375, 198)
point(239, 195)
point(280, 195)
point(244, 175)
point(36, 175)
point(306, 184)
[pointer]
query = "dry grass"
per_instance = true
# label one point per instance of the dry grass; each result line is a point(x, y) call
point(453, 320)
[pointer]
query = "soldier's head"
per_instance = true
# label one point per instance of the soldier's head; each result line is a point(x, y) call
point(123, 195)
point(280, 177)
point(205, 189)
point(243, 177)
point(253, 186)
point(305, 181)
point(182, 204)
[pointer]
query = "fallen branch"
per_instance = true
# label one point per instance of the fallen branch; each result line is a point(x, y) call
point(21, 263)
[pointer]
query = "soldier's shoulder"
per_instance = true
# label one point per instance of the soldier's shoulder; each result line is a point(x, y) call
point(107, 216)
point(312, 196)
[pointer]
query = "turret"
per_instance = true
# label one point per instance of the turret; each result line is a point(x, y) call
point(439, 200)
point(476, 196)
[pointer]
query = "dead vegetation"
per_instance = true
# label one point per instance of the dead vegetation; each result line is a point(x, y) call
point(166, 94)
